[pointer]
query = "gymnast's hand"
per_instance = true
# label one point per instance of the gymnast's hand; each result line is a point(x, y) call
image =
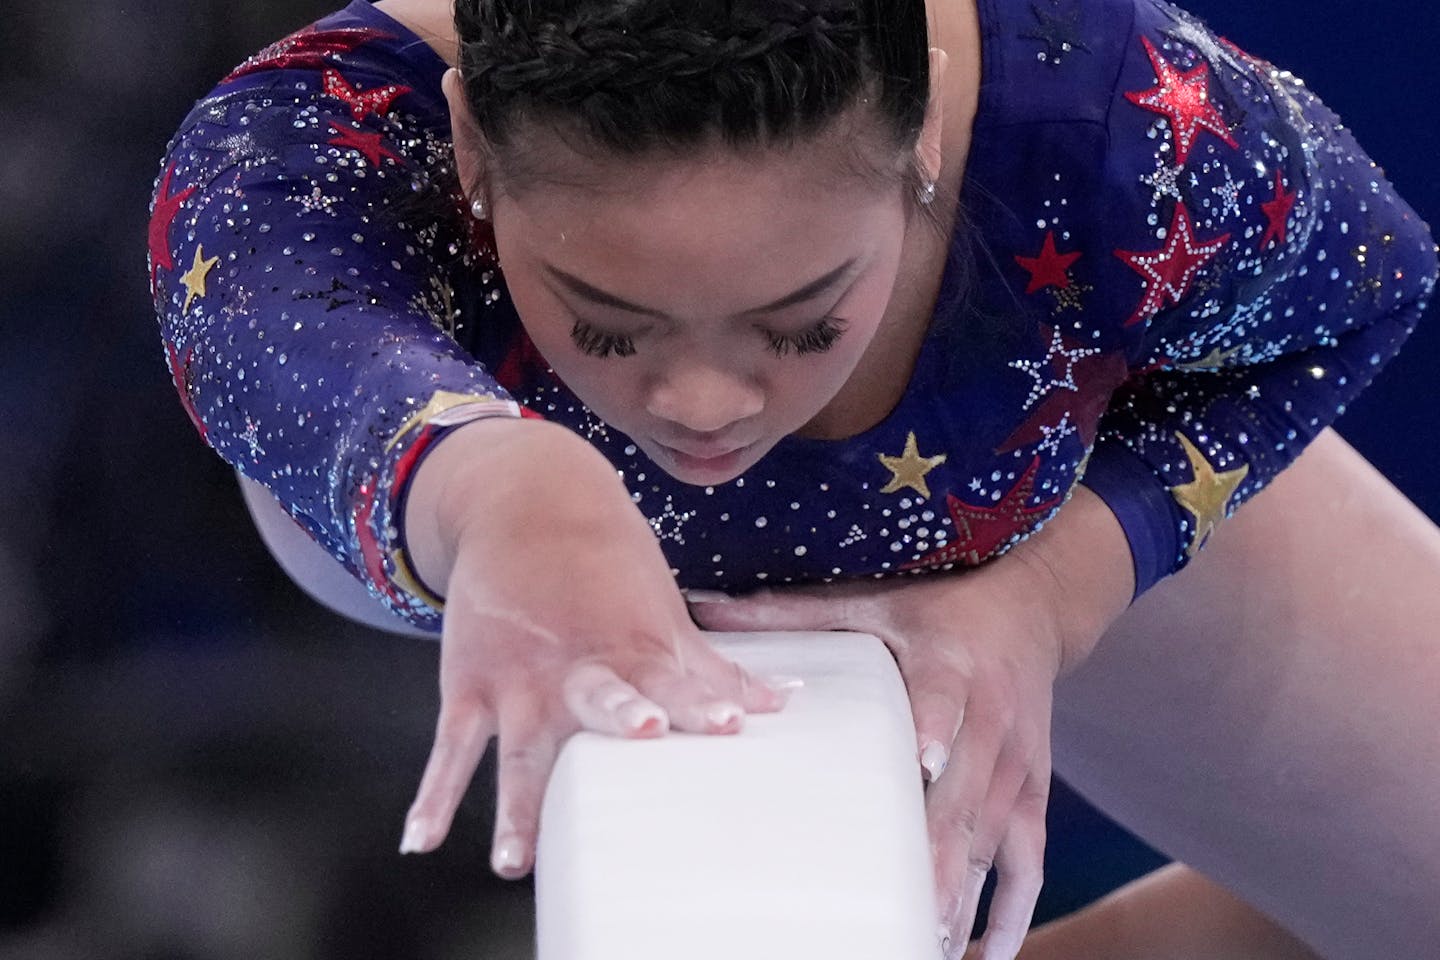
point(561, 614)
point(979, 653)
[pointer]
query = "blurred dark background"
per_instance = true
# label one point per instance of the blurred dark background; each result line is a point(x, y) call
point(195, 760)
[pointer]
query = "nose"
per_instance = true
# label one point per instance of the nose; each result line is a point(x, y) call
point(703, 398)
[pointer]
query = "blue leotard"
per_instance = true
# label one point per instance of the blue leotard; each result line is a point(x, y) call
point(1177, 268)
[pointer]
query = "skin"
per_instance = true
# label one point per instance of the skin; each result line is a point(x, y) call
point(705, 396)
point(704, 376)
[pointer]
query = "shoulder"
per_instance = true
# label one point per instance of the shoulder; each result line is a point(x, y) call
point(1052, 61)
point(355, 60)
point(1115, 127)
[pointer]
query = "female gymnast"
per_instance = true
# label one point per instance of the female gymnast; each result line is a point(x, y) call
point(541, 314)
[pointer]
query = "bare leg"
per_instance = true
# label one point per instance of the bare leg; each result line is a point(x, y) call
point(1271, 715)
point(1171, 914)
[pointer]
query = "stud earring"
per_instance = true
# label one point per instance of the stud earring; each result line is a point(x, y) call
point(478, 209)
point(926, 193)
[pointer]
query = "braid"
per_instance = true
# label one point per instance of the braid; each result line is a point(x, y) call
point(570, 61)
point(633, 75)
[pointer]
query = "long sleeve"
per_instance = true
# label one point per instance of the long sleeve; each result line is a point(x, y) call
point(1276, 274)
point(304, 242)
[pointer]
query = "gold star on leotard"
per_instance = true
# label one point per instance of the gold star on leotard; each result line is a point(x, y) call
point(194, 278)
point(445, 408)
point(909, 469)
point(1205, 497)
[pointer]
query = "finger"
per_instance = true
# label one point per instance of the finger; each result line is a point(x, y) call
point(962, 921)
point(729, 679)
point(954, 806)
point(938, 705)
point(687, 699)
point(528, 744)
point(1020, 862)
point(793, 608)
point(462, 732)
point(601, 702)
point(996, 813)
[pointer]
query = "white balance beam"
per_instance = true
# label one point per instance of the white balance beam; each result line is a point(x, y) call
point(801, 838)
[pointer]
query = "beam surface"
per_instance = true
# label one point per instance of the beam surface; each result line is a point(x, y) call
point(802, 837)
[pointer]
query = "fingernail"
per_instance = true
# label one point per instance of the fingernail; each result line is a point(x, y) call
point(933, 758)
point(508, 855)
point(722, 714)
point(706, 596)
point(644, 718)
point(783, 682)
point(416, 832)
point(614, 699)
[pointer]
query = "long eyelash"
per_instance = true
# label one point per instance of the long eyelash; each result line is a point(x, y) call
point(598, 344)
point(817, 339)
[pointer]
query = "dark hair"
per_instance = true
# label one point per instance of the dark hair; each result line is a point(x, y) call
point(641, 77)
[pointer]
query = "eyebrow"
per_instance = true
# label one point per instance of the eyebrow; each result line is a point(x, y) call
point(806, 293)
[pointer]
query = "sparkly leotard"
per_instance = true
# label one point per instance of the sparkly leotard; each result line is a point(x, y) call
point(1177, 269)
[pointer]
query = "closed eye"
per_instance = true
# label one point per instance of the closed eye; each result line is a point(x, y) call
point(818, 338)
point(598, 343)
point(815, 339)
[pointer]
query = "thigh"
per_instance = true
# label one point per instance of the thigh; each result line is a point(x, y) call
point(1271, 715)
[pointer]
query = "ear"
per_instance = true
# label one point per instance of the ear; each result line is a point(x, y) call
point(469, 141)
point(927, 149)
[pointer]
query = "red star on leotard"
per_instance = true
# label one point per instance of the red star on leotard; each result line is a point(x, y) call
point(1096, 377)
point(1184, 99)
point(166, 208)
point(1049, 268)
point(1170, 271)
point(306, 49)
point(368, 144)
point(376, 100)
point(983, 530)
point(1276, 213)
point(184, 383)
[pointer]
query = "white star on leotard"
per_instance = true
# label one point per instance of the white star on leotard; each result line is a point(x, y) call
point(1165, 181)
point(1229, 194)
point(1041, 370)
point(669, 524)
point(1053, 435)
point(315, 200)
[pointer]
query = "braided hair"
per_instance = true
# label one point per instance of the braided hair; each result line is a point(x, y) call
point(637, 77)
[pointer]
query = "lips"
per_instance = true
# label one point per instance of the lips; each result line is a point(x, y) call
point(705, 459)
point(709, 451)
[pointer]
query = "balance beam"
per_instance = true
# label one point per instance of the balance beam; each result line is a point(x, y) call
point(801, 837)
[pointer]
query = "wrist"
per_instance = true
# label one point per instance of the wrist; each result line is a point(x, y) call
point(1084, 554)
point(492, 472)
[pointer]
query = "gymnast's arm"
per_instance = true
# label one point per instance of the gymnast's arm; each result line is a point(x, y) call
point(313, 570)
point(302, 262)
point(1255, 325)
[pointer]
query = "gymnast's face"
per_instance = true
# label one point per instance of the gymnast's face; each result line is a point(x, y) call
point(710, 312)
point(707, 307)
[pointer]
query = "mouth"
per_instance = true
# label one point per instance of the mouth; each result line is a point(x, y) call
point(705, 460)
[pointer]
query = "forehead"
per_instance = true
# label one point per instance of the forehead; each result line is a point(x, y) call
point(704, 239)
